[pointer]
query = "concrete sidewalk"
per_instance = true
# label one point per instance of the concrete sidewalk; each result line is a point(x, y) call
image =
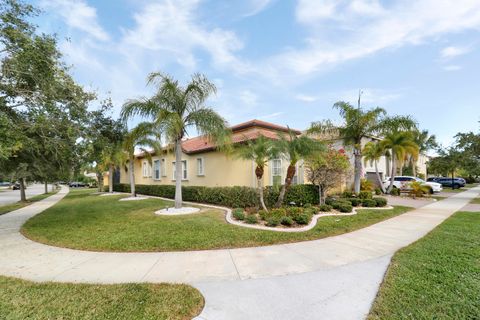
point(244, 283)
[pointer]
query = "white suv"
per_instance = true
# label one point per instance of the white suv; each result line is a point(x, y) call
point(403, 182)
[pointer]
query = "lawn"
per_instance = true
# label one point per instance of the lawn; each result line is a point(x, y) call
point(475, 201)
point(85, 221)
point(437, 277)
point(21, 299)
point(17, 205)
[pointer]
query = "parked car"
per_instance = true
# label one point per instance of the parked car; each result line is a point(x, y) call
point(456, 183)
point(16, 186)
point(403, 182)
point(76, 184)
point(433, 179)
point(5, 184)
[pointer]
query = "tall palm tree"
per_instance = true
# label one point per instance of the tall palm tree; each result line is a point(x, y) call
point(399, 143)
point(174, 109)
point(358, 123)
point(260, 150)
point(372, 152)
point(425, 142)
point(143, 136)
point(294, 148)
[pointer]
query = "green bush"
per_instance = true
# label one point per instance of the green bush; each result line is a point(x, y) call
point(302, 218)
point(355, 201)
point(378, 191)
point(381, 202)
point(348, 194)
point(286, 221)
point(395, 192)
point(238, 214)
point(369, 203)
point(330, 200)
point(365, 195)
point(344, 207)
point(337, 204)
point(251, 219)
point(273, 221)
point(292, 211)
point(325, 208)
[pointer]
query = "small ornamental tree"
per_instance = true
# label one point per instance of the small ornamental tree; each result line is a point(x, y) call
point(326, 170)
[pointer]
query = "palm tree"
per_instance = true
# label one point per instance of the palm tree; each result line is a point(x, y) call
point(111, 156)
point(358, 123)
point(399, 143)
point(260, 150)
point(294, 148)
point(175, 109)
point(425, 142)
point(143, 136)
point(372, 152)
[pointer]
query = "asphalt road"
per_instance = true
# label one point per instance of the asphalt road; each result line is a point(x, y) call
point(8, 196)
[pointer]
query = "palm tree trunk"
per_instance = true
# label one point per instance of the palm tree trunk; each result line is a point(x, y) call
point(100, 181)
point(23, 197)
point(46, 187)
point(414, 168)
point(178, 173)
point(288, 181)
point(379, 180)
point(358, 170)
point(392, 176)
point(110, 179)
point(131, 167)
point(260, 193)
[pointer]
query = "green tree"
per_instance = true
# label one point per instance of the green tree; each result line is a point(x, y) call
point(143, 137)
point(260, 151)
point(372, 152)
point(425, 142)
point(326, 170)
point(358, 123)
point(400, 143)
point(294, 148)
point(175, 109)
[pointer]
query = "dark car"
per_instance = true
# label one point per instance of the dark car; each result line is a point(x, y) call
point(455, 183)
point(76, 184)
point(16, 186)
point(433, 179)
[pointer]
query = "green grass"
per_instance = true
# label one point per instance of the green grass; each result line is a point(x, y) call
point(437, 277)
point(21, 299)
point(84, 221)
point(17, 205)
point(475, 201)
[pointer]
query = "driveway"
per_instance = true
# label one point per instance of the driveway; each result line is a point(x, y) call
point(8, 196)
point(331, 278)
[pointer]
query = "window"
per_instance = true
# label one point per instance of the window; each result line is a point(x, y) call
point(184, 170)
point(163, 168)
point(200, 168)
point(156, 169)
point(276, 172)
point(145, 169)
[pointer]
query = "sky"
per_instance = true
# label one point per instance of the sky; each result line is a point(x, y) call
point(283, 61)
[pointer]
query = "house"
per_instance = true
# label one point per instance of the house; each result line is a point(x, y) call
point(204, 165)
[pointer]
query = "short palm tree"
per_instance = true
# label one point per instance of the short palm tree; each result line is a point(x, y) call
point(358, 123)
point(260, 151)
point(143, 136)
point(425, 142)
point(175, 109)
point(112, 156)
point(372, 152)
point(399, 143)
point(294, 148)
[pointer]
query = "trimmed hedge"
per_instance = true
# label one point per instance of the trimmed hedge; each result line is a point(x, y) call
point(381, 202)
point(233, 197)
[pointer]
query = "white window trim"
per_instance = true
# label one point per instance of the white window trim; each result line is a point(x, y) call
point(163, 167)
point(271, 170)
point(159, 170)
point(202, 173)
point(144, 169)
point(186, 171)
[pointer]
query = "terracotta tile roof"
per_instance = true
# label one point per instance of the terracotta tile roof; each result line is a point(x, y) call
point(262, 124)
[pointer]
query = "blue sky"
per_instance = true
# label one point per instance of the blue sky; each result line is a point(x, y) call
point(283, 61)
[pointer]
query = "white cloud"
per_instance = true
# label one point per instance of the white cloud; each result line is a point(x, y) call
point(257, 6)
point(452, 68)
point(450, 52)
point(369, 96)
point(271, 115)
point(248, 97)
point(79, 15)
point(306, 98)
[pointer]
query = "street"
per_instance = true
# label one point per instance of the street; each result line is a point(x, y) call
point(8, 196)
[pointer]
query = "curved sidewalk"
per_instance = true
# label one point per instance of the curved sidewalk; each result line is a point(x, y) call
point(27, 259)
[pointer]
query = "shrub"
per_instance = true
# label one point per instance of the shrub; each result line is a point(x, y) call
point(381, 202)
point(273, 221)
point(348, 194)
point(369, 203)
point(274, 213)
point(337, 204)
point(395, 192)
point(366, 185)
point(286, 221)
point(302, 218)
point(344, 207)
point(251, 219)
point(292, 211)
point(355, 201)
point(330, 200)
point(365, 195)
point(238, 214)
point(325, 208)
point(378, 191)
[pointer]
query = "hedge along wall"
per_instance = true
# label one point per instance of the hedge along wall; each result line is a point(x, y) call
point(232, 197)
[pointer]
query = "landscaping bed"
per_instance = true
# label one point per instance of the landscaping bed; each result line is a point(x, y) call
point(437, 277)
point(21, 299)
point(81, 221)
